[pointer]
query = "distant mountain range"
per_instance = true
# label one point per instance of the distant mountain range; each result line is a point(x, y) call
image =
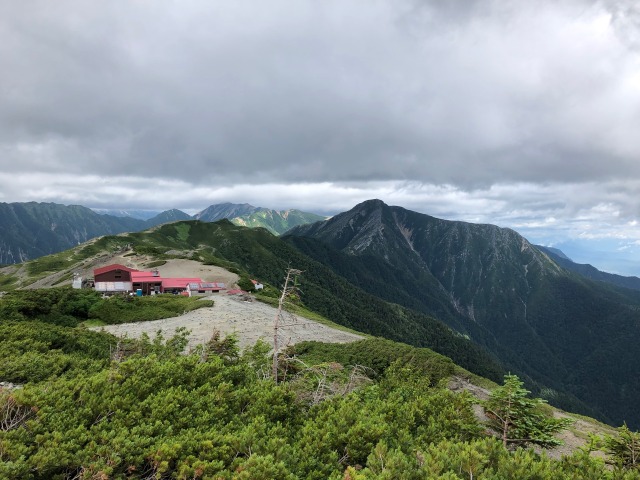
point(217, 212)
point(590, 271)
point(139, 214)
point(31, 230)
point(245, 215)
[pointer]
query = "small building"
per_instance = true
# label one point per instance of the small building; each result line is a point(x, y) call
point(179, 285)
point(193, 285)
point(210, 287)
point(114, 278)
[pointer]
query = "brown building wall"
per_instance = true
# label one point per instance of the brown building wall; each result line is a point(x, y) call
point(115, 275)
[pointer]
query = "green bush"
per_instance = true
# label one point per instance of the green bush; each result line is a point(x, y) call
point(58, 306)
point(35, 351)
point(202, 416)
point(125, 309)
point(246, 284)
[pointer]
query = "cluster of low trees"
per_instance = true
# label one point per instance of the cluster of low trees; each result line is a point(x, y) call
point(96, 407)
point(67, 307)
point(216, 413)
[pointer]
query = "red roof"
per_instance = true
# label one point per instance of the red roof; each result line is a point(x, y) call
point(115, 266)
point(179, 282)
point(145, 277)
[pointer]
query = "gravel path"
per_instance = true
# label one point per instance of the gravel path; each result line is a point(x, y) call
point(230, 314)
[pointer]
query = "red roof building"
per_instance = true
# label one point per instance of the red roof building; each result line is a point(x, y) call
point(118, 278)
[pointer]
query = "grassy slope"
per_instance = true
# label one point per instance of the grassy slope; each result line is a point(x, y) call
point(266, 257)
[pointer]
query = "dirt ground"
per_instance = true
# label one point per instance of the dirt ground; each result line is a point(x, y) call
point(249, 320)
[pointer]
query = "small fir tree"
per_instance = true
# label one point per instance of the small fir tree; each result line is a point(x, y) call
point(520, 420)
point(624, 448)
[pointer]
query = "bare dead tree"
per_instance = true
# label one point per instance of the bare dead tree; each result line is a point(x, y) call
point(117, 353)
point(289, 290)
point(329, 380)
point(12, 415)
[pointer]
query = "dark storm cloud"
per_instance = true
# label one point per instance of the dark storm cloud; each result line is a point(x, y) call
point(454, 92)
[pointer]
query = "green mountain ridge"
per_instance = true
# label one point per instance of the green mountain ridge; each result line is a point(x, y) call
point(266, 257)
point(276, 221)
point(219, 211)
point(212, 413)
point(556, 326)
point(589, 271)
point(31, 230)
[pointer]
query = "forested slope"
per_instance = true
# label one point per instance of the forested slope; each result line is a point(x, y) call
point(561, 329)
point(267, 257)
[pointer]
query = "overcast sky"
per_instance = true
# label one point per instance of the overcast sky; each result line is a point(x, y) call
point(524, 114)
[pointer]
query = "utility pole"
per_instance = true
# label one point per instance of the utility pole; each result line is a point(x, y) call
point(289, 289)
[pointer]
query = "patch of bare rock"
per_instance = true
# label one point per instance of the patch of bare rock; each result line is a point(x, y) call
point(249, 320)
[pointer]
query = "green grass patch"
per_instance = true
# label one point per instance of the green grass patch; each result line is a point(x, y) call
point(64, 279)
point(148, 250)
point(50, 263)
point(182, 230)
point(306, 313)
point(126, 309)
point(378, 354)
point(110, 243)
point(7, 282)
point(93, 322)
point(157, 263)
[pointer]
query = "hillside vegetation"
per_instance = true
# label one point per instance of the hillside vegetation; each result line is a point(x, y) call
point(334, 295)
point(214, 414)
point(575, 336)
point(94, 406)
point(572, 340)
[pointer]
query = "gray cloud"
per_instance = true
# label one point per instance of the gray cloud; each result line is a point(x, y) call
point(299, 91)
